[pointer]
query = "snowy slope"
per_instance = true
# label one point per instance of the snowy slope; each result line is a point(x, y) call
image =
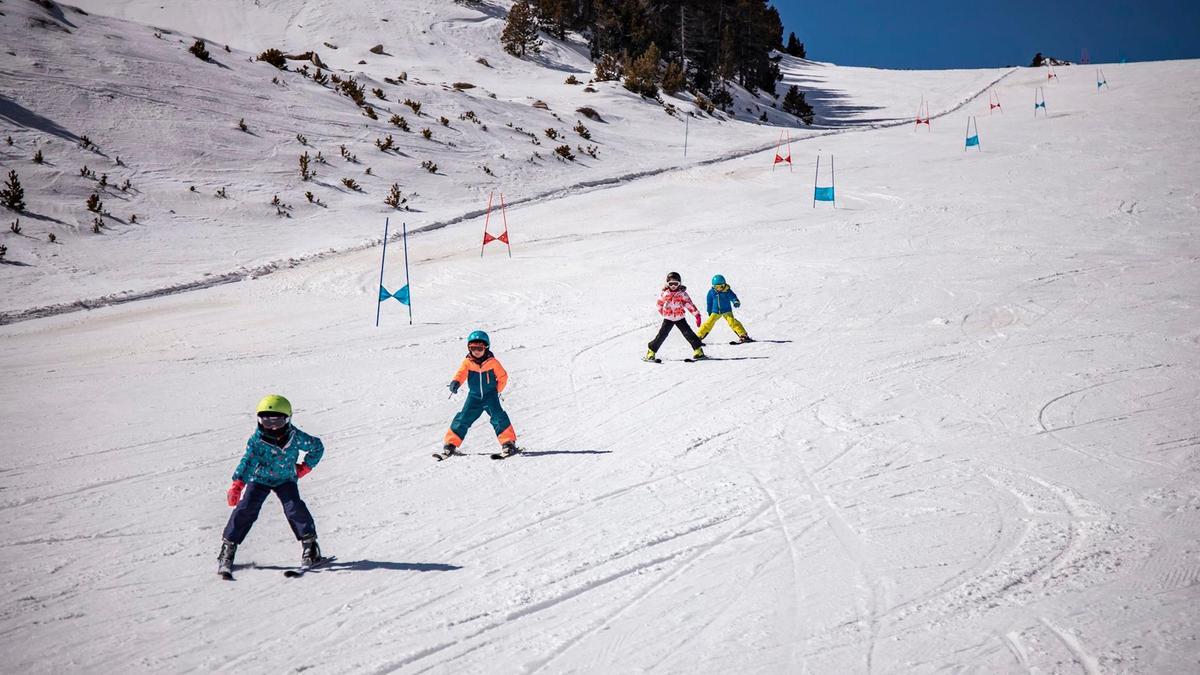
point(967, 442)
point(121, 75)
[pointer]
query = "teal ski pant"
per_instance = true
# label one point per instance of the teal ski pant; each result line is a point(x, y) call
point(472, 409)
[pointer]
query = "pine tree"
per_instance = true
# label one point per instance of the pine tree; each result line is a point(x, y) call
point(12, 195)
point(795, 47)
point(520, 34)
point(641, 75)
point(794, 103)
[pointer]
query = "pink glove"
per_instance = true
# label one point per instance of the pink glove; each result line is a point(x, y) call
point(302, 470)
point(697, 321)
point(235, 493)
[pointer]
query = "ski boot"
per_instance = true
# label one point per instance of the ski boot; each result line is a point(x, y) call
point(225, 559)
point(745, 338)
point(507, 449)
point(650, 356)
point(447, 451)
point(699, 355)
point(310, 553)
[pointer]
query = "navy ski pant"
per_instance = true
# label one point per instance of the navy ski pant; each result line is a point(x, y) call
point(246, 512)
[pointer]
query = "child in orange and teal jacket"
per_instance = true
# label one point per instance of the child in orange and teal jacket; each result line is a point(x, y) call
point(721, 301)
point(485, 379)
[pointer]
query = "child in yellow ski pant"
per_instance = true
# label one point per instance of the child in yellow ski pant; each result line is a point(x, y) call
point(721, 301)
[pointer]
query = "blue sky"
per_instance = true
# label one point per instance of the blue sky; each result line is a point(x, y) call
point(964, 34)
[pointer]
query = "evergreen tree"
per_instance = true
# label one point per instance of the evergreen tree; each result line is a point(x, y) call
point(520, 34)
point(12, 195)
point(794, 103)
point(795, 47)
point(642, 73)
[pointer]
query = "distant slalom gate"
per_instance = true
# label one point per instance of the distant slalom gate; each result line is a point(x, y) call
point(402, 295)
point(994, 102)
point(824, 194)
point(1039, 101)
point(1101, 81)
point(972, 139)
point(922, 115)
point(780, 146)
point(487, 237)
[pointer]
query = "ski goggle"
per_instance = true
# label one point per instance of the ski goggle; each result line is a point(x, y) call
point(673, 284)
point(273, 422)
point(722, 287)
point(477, 347)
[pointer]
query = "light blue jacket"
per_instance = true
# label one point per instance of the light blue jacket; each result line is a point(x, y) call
point(272, 466)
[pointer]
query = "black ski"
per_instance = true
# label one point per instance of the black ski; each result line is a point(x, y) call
point(742, 342)
point(505, 454)
point(439, 456)
point(299, 571)
point(652, 360)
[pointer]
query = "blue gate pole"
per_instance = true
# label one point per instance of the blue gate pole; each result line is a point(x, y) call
point(407, 284)
point(379, 300)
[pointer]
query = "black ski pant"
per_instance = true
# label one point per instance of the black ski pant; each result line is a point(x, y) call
point(246, 512)
point(666, 330)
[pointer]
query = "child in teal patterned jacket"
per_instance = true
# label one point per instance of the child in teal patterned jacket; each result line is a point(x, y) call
point(272, 464)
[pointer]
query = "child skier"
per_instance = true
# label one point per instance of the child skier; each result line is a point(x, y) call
point(485, 379)
point(673, 303)
point(271, 464)
point(721, 301)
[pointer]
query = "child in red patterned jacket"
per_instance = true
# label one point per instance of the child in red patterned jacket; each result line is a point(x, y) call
point(673, 304)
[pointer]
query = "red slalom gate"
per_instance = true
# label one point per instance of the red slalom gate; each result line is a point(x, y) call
point(487, 236)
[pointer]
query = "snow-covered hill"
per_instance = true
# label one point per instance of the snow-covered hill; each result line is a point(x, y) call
point(131, 87)
point(967, 440)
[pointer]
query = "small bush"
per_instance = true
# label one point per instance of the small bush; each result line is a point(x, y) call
point(487, 170)
point(564, 151)
point(52, 237)
point(571, 79)
point(302, 138)
point(469, 115)
point(274, 57)
point(305, 173)
point(199, 50)
point(608, 68)
point(429, 166)
point(221, 193)
point(427, 133)
point(582, 130)
point(104, 180)
point(415, 105)
point(351, 88)
point(86, 143)
point(385, 144)
point(126, 185)
point(552, 133)
point(133, 218)
point(38, 158)
point(309, 196)
point(319, 159)
point(368, 171)
point(242, 124)
point(370, 112)
point(97, 223)
point(445, 122)
point(8, 140)
point(3, 251)
point(94, 204)
point(347, 155)
point(320, 77)
point(15, 226)
point(394, 198)
point(399, 122)
point(378, 93)
point(352, 184)
point(191, 188)
point(590, 150)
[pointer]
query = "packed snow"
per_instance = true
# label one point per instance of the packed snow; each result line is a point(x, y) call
point(966, 440)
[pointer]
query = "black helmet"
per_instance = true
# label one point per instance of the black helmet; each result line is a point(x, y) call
point(674, 276)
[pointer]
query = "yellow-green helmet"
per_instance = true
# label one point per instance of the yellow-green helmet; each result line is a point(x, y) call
point(276, 404)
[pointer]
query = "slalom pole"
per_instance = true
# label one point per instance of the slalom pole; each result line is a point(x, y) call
point(816, 175)
point(382, 258)
point(486, 219)
point(833, 181)
point(407, 283)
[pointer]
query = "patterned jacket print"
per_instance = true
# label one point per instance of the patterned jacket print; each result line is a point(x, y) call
point(720, 302)
point(272, 466)
point(673, 305)
point(484, 376)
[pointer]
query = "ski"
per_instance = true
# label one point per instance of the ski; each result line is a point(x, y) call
point(706, 358)
point(299, 571)
point(652, 360)
point(505, 454)
point(439, 456)
point(741, 342)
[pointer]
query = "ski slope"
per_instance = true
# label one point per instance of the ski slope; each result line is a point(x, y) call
point(967, 439)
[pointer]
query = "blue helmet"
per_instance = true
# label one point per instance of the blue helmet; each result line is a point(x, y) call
point(479, 336)
point(718, 280)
